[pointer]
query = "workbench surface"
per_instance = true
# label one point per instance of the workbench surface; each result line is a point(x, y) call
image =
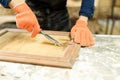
point(98, 62)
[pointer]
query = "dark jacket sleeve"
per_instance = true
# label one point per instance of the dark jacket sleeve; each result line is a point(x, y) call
point(87, 8)
point(5, 3)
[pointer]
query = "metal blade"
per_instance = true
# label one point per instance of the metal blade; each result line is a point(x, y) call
point(51, 39)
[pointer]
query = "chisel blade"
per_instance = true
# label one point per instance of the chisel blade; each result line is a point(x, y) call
point(51, 39)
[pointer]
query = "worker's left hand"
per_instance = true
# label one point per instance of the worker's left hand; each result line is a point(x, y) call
point(80, 33)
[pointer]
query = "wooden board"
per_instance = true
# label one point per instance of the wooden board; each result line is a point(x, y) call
point(16, 45)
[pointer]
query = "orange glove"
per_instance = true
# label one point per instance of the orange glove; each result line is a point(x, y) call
point(80, 33)
point(26, 19)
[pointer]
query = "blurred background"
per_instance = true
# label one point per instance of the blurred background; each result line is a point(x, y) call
point(106, 19)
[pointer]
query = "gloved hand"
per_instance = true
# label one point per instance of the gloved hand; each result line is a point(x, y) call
point(26, 19)
point(80, 33)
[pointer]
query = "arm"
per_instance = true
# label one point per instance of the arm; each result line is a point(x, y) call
point(80, 33)
point(87, 10)
point(5, 3)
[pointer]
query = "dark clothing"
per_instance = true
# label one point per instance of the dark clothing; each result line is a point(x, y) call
point(53, 14)
point(87, 8)
point(52, 4)
point(5, 3)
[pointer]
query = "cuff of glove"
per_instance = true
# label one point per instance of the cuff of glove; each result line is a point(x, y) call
point(22, 7)
point(81, 22)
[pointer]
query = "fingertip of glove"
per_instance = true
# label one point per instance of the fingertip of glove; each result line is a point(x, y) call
point(33, 35)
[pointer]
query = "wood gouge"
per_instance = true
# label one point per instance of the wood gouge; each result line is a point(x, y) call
point(51, 39)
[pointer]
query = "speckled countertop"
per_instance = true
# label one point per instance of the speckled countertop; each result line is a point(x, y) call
point(98, 62)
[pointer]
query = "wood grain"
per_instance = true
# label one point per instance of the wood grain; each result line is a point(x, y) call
point(18, 46)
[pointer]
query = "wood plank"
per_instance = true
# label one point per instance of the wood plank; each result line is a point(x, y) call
point(16, 45)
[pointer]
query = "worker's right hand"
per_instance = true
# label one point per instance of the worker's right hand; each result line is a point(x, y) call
point(26, 19)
